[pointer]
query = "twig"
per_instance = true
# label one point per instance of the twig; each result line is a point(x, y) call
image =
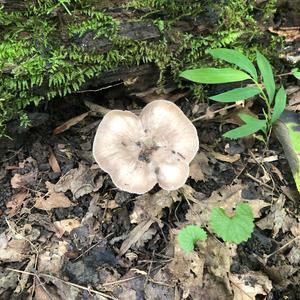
point(65, 282)
point(96, 108)
point(282, 247)
point(149, 269)
point(15, 153)
point(216, 111)
point(100, 89)
point(259, 182)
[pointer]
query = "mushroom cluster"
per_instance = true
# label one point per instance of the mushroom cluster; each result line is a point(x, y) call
point(140, 151)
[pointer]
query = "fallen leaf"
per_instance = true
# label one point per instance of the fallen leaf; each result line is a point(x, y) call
point(226, 197)
point(147, 210)
point(294, 256)
point(277, 219)
point(19, 181)
point(24, 277)
point(294, 101)
point(150, 206)
point(54, 163)
point(13, 250)
point(16, 202)
point(186, 269)
point(45, 292)
point(66, 226)
point(8, 281)
point(199, 167)
point(226, 158)
point(70, 123)
point(218, 259)
point(290, 34)
point(52, 259)
point(135, 234)
point(80, 181)
point(248, 286)
point(52, 199)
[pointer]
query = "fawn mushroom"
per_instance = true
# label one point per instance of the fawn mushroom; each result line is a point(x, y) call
point(140, 151)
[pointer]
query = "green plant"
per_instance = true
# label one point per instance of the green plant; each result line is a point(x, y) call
point(189, 235)
point(296, 73)
point(264, 86)
point(236, 229)
point(45, 53)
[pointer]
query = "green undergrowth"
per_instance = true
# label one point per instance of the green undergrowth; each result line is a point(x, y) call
point(43, 54)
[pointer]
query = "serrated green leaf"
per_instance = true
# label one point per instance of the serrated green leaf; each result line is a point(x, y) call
point(267, 74)
point(189, 235)
point(234, 229)
point(280, 104)
point(235, 57)
point(214, 75)
point(296, 74)
point(236, 94)
point(252, 125)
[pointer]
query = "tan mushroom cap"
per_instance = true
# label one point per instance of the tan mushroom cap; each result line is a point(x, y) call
point(116, 152)
point(170, 128)
point(168, 136)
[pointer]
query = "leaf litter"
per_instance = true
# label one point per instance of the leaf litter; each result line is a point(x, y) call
point(83, 238)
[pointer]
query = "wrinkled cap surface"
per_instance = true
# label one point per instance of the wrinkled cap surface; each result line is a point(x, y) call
point(140, 151)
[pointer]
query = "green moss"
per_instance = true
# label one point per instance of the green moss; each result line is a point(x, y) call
point(36, 66)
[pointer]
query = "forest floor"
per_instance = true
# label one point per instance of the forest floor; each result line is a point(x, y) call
point(66, 232)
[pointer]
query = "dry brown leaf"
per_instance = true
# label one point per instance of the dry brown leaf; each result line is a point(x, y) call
point(45, 292)
point(65, 126)
point(135, 234)
point(199, 167)
point(150, 206)
point(218, 259)
point(186, 269)
point(277, 218)
point(147, 210)
point(52, 199)
point(13, 250)
point(247, 286)
point(24, 277)
point(80, 181)
point(148, 235)
point(52, 259)
point(290, 34)
point(18, 180)
point(16, 202)
point(66, 226)
point(54, 163)
point(226, 197)
point(294, 256)
point(226, 158)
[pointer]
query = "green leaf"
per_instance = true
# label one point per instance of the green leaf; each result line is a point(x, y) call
point(252, 125)
point(280, 104)
point(296, 74)
point(189, 235)
point(287, 131)
point(214, 75)
point(236, 94)
point(234, 229)
point(267, 74)
point(235, 57)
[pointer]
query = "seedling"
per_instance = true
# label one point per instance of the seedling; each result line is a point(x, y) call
point(234, 229)
point(264, 86)
point(140, 151)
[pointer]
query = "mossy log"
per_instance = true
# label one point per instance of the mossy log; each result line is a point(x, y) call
point(50, 48)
